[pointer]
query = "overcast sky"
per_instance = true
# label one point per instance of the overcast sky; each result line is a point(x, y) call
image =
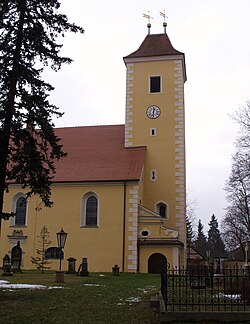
point(213, 34)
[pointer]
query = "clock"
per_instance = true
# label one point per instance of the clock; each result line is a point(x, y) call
point(153, 112)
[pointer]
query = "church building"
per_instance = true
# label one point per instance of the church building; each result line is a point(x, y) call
point(120, 193)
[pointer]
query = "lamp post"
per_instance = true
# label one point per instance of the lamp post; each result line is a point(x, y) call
point(246, 254)
point(246, 266)
point(61, 239)
point(208, 254)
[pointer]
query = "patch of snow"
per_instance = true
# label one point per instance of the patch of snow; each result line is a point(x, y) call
point(3, 281)
point(146, 289)
point(91, 285)
point(6, 285)
point(133, 299)
point(143, 290)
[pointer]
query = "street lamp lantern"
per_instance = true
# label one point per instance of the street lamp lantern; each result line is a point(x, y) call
point(61, 239)
point(246, 254)
point(208, 253)
point(208, 279)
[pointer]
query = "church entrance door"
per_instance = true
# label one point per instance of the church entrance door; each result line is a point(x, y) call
point(154, 262)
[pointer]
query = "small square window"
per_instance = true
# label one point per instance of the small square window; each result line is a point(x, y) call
point(155, 84)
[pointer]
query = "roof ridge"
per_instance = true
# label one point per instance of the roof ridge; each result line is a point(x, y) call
point(85, 126)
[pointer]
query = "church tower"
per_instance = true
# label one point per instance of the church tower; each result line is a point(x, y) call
point(155, 118)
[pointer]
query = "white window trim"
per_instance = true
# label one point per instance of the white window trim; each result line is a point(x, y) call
point(83, 209)
point(13, 209)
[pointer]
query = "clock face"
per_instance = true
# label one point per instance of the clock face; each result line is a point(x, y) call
point(153, 112)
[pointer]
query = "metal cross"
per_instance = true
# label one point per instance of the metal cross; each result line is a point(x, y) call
point(163, 15)
point(148, 17)
point(164, 23)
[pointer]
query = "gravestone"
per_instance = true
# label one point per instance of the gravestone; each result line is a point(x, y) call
point(7, 271)
point(71, 265)
point(83, 269)
point(16, 257)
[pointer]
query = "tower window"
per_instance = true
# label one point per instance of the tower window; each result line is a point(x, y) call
point(162, 209)
point(155, 84)
point(152, 131)
point(153, 175)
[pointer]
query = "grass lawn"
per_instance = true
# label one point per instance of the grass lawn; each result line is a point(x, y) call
point(99, 298)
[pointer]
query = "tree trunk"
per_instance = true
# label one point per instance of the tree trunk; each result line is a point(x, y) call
point(9, 108)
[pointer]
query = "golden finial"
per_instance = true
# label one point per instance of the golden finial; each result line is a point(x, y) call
point(164, 23)
point(149, 24)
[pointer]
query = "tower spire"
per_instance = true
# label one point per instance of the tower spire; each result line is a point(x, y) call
point(164, 23)
point(149, 24)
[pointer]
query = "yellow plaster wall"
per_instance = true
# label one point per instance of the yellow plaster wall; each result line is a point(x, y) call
point(160, 148)
point(103, 245)
point(166, 150)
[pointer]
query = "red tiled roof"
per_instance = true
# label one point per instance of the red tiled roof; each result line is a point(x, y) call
point(97, 153)
point(155, 45)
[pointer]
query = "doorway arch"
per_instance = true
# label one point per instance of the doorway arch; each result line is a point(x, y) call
point(154, 262)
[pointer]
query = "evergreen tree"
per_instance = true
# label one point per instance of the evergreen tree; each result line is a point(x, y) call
point(200, 243)
point(189, 228)
point(40, 261)
point(29, 30)
point(215, 243)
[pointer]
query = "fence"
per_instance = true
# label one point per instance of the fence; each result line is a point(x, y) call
point(200, 289)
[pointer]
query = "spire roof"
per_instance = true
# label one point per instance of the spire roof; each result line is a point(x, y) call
point(155, 45)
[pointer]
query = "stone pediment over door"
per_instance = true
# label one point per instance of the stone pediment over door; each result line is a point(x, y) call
point(148, 217)
point(17, 235)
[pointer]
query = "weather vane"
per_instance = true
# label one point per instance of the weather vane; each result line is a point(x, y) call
point(149, 24)
point(164, 23)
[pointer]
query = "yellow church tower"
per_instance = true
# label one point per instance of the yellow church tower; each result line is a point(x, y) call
point(155, 118)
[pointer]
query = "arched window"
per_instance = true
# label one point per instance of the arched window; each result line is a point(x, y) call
point(162, 210)
point(89, 210)
point(19, 207)
point(54, 253)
